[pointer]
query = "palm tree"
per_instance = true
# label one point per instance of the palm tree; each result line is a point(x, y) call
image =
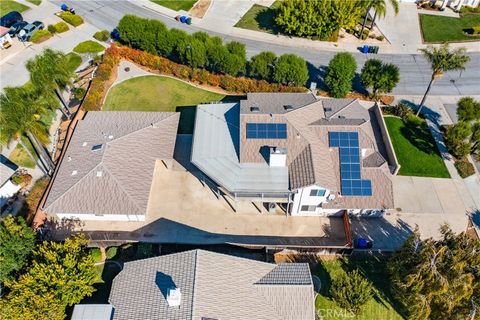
point(49, 73)
point(443, 59)
point(380, 8)
point(21, 113)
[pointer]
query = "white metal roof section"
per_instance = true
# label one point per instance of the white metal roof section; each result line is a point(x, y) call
point(92, 312)
point(215, 152)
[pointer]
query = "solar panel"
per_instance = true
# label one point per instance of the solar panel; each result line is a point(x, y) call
point(266, 131)
point(352, 183)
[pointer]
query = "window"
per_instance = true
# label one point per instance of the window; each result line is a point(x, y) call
point(308, 208)
point(317, 192)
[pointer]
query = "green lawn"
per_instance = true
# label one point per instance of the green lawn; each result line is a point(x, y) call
point(416, 150)
point(73, 61)
point(20, 157)
point(259, 18)
point(176, 5)
point(35, 2)
point(89, 46)
point(437, 29)
point(9, 5)
point(381, 306)
point(154, 93)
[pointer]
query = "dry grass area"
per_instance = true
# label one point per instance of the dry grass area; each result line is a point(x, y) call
point(200, 8)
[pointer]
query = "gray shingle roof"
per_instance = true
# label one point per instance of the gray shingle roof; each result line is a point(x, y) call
point(109, 163)
point(212, 285)
point(275, 103)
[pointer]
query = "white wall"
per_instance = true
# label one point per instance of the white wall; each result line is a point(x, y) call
point(106, 217)
point(303, 198)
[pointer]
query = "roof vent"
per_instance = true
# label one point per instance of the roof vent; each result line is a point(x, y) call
point(341, 117)
point(255, 109)
point(84, 144)
point(174, 297)
point(69, 159)
point(110, 137)
point(74, 172)
point(288, 107)
point(97, 147)
point(99, 173)
point(327, 109)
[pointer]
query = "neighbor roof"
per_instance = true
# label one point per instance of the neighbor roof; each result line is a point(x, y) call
point(109, 163)
point(212, 286)
point(7, 169)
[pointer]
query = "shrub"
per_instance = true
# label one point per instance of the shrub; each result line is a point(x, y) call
point(415, 120)
point(51, 28)
point(457, 139)
point(379, 76)
point(72, 19)
point(467, 9)
point(291, 69)
point(79, 93)
point(476, 30)
point(380, 38)
point(351, 291)
point(103, 35)
point(89, 46)
point(340, 73)
point(464, 168)
point(22, 179)
point(112, 252)
point(403, 111)
point(261, 65)
point(40, 36)
point(364, 36)
point(61, 27)
point(96, 254)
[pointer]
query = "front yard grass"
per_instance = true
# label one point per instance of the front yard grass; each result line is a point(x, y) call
point(9, 5)
point(156, 93)
point(381, 306)
point(73, 61)
point(437, 29)
point(20, 157)
point(416, 150)
point(259, 18)
point(176, 5)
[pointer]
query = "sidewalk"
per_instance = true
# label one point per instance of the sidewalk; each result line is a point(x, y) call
point(403, 31)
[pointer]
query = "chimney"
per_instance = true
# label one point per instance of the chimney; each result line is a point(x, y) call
point(278, 157)
point(174, 297)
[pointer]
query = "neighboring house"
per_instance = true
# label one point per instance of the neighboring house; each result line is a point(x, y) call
point(313, 156)
point(7, 187)
point(106, 172)
point(458, 4)
point(204, 285)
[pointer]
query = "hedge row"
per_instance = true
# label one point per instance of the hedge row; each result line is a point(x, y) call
point(164, 66)
point(199, 50)
point(73, 19)
point(40, 36)
point(59, 27)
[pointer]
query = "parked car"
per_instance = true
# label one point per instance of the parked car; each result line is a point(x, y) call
point(26, 33)
point(16, 27)
point(10, 19)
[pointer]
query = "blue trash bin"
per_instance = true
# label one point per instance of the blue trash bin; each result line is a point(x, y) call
point(64, 7)
point(365, 49)
point(183, 19)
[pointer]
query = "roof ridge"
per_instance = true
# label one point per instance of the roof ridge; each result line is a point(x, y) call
point(73, 185)
point(348, 105)
point(121, 188)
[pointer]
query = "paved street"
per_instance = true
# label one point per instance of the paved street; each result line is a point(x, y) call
point(415, 71)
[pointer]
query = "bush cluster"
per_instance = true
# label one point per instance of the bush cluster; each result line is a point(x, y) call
point(59, 27)
point(467, 9)
point(88, 46)
point(167, 67)
point(199, 50)
point(103, 35)
point(40, 36)
point(464, 168)
point(73, 19)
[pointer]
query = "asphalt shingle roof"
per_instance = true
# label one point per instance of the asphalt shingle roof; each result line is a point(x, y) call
point(109, 163)
point(212, 286)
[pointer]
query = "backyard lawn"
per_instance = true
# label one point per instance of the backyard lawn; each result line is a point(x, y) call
point(437, 29)
point(20, 157)
point(9, 5)
point(155, 93)
point(381, 306)
point(176, 4)
point(416, 150)
point(259, 18)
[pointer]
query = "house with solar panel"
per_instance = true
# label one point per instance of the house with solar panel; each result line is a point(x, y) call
point(310, 155)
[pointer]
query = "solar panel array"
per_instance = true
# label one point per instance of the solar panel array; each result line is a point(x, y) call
point(352, 183)
point(266, 131)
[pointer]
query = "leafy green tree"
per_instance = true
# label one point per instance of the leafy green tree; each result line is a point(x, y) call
point(457, 139)
point(20, 115)
point(291, 69)
point(192, 51)
point(443, 59)
point(261, 65)
point(437, 279)
point(475, 140)
point(63, 273)
point(351, 291)
point(340, 73)
point(380, 7)
point(468, 109)
point(17, 241)
point(380, 77)
point(236, 64)
point(50, 75)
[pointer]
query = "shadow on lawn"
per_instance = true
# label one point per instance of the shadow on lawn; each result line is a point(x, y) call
point(419, 137)
point(266, 20)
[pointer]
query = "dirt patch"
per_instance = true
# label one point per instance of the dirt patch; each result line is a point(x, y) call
point(200, 8)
